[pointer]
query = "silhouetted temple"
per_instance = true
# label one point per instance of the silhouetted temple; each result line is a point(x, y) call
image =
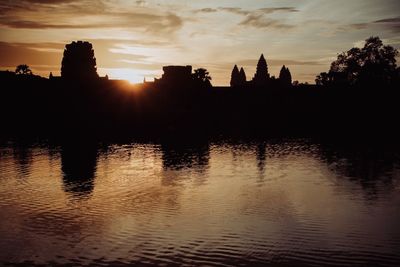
point(242, 76)
point(78, 62)
point(235, 77)
point(285, 77)
point(176, 75)
point(261, 78)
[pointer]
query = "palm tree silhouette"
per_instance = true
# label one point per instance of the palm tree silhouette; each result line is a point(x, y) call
point(23, 69)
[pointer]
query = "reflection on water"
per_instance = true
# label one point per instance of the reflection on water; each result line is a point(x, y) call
point(180, 156)
point(370, 167)
point(78, 163)
point(285, 203)
point(22, 155)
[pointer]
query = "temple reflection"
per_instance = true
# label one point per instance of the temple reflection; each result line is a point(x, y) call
point(78, 164)
point(184, 157)
point(180, 156)
point(22, 153)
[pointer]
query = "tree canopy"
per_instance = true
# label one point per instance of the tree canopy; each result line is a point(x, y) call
point(202, 76)
point(374, 63)
point(23, 69)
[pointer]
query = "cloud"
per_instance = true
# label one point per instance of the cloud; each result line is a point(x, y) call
point(27, 24)
point(358, 26)
point(269, 10)
point(147, 22)
point(33, 54)
point(256, 18)
point(349, 28)
point(140, 2)
point(143, 66)
point(264, 10)
point(259, 21)
point(26, 6)
point(71, 14)
point(133, 42)
point(389, 20)
point(49, 1)
point(392, 24)
point(235, 10)
point(206, 10)
point(245, 12)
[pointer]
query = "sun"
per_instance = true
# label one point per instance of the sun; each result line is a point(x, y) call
point(129, 75)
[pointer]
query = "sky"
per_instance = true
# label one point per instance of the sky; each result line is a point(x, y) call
point(134, 39)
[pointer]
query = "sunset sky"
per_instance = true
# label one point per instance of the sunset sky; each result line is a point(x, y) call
point(134, 39)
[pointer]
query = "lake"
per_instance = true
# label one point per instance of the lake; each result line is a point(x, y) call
point(288, 202)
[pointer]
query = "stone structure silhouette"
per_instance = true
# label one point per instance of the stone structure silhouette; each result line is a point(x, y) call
point(238, 78)
point(242, 76)
point(78, 62)
point(176, 75)
point(285, 77)
point(235, 77)
point(261, 77)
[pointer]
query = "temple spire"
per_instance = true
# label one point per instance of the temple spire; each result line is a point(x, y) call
point(242, 76)
point(261, 76)
point(235, 77)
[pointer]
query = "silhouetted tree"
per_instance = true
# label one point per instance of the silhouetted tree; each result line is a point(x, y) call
point(242, 76)
point(375, 63)
point(202, 76)
point(235, 77)
point(23, 69)
point(397, 80)
point(285, 77)
point(323, 79)
point(79, 62)
point(261, 76)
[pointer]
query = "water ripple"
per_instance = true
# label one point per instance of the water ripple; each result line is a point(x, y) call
point(279, 203)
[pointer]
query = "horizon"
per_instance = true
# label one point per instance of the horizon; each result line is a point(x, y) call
point(143, 36)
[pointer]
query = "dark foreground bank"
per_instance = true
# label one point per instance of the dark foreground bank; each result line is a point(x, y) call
point(37, 107)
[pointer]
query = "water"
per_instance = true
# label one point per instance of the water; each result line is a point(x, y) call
point(283, 203)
